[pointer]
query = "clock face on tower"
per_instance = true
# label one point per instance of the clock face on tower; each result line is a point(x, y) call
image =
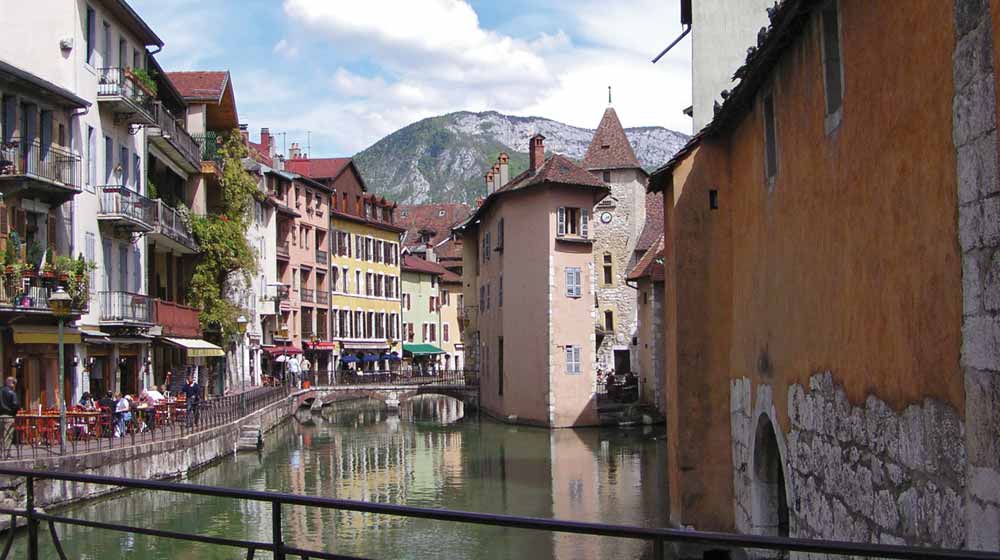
point(606, 217)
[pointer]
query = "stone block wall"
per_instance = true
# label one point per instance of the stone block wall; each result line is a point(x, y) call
point(863, 472)
point(976, 155)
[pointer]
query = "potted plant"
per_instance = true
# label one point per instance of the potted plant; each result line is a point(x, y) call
point(49, 268)
point(33, 258)
point(64, 265)
point(11, 252)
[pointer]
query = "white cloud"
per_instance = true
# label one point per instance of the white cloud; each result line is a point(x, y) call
point(285, 49)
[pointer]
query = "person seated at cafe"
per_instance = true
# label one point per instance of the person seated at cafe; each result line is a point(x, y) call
point(107, 402)
point(150, 396)
point(123, 414)
point(87, 401)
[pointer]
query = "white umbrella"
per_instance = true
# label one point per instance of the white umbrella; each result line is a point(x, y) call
point(282, 358)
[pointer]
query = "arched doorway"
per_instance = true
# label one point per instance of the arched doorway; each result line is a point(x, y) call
point(769, 500)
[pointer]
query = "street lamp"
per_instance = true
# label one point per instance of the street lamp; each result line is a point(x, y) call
point(241, 327)
point(59, 303)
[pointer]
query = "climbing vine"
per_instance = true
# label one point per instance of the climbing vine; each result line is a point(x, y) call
point(221, 236)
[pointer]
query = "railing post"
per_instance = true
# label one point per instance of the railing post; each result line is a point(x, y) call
point(279, 545)
point(29, 506)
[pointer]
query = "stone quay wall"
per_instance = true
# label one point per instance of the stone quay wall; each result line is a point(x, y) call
point(159, 460)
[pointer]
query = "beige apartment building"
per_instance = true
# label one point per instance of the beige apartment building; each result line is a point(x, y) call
point(531, 237)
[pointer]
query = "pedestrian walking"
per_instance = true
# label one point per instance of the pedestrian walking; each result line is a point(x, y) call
point(9, 405)
point(192, 397)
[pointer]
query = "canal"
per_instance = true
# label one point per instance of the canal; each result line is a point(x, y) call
point(426, 454)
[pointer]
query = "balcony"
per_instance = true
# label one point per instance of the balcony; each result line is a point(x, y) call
point(126, 309)
point(173, 140)
point(322, 297)
point(307, 296)
point(177, 320)
point(48, 171)
point(125, 209)
point(283, 249)
point(321, 257)
point(169, 231)
point(30, 295)
point(129, 100)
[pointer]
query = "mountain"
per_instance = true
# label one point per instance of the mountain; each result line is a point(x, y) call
point(443, 159)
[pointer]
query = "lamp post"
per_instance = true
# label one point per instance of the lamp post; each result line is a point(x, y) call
point(59, 303)
point(241, 327)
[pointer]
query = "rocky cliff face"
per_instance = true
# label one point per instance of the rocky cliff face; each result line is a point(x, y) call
point(443, 159)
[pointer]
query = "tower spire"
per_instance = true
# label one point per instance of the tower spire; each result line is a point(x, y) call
point(609, 95)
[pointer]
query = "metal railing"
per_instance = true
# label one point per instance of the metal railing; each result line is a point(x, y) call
point(322, 297)
point(175, 134)
point(168, 220)
point(177, 320)
point(210, 144)
point(321, 257)
point(619, 388)
point(31, 159)
point(307, 296)
point(410, 377)
point(31, 293)
point(86, 432)
point(115, 82)
point(284, 248)
point(121, 201)
point(720, 545)
point(126, 307)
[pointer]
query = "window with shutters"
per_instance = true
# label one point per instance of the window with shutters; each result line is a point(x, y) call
point(573, 282)
point(573, 222)
point(433, 331)
point(444, 333)
point(423, 332)
point(573, 360)
point(500, 366)
point(136, 270)
point(91, 159)
point(123, 267)
point(90, 38)
point(90, 249)
point(500, 235)
point(500, 292)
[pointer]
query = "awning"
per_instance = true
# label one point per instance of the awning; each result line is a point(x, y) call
point(45, 334)
point(283, 350)
point(421, 350)
point(195, 347)
point(93, 336)
point(348, 359)
point(371, 358)
point(322, 345)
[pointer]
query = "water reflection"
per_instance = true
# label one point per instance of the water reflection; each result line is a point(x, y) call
point(425, 454)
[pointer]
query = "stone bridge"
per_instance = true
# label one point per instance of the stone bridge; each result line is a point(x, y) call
point(393, 394)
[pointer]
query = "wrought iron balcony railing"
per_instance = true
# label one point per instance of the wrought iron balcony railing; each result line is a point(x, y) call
point(284, 248)
point(321, 257)
point(30, 159)
point(130, 97)
point(168, 221)
point(210, 144)
point(126, 307)
point(123, 204)
point(307, 296)
point(322, 297)
point(167, 127)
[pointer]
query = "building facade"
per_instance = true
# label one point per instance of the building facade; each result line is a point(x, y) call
point(618, 220)
point(831, 366)
point(430, 299)
point(646, 277)
point(532, 237)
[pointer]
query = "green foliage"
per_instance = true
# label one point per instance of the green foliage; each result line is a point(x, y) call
point(151, 190)
point(34, 255)
point(78, 283)
point(12, 251)
point(146, 78)
point(223, 243)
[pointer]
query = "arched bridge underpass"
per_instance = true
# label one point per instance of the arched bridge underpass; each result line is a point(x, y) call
point(394, 388)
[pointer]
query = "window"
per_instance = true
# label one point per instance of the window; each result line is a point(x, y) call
point(713, 199)
point(136, 59)
point(573, 360)
point(573, 282)
point(368, 283)
point(487, 296)
point(832, 69)
point(109, 160)
point(608, 270)
point(486, 248)
point(444, 333)
point(430, 304)
point(357, 282)
point(433, 331)
point(500, 235)
point(91, 158)
point(770, 149)
point(423, 332)
point(609, 320)
point(482, 296)
point(500, 366)
point(137, 171)
point(122, 52)
point(91, 31)
point(445, 297)
point(572, 221)
point(90, 246)
point(500, 292)
point(123, 162)
point(123, 267)
point(606, 176)
point(106, 53)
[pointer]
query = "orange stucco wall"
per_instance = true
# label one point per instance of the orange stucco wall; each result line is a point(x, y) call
point(849, 263)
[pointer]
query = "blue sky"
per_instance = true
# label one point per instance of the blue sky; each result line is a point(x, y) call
point(348, 73)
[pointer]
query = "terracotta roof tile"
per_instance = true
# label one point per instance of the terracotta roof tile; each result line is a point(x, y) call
point(417, 264)
point(653, 228)
point(610, 148)
point(200, 85)
point(650, 265)
point(557, 169)
point(318, 168)
point(437, 219)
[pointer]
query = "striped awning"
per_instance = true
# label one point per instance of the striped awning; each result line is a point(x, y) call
point(45, 334)
point(195, 347)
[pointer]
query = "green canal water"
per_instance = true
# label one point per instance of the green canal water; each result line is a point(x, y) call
point(425, 455)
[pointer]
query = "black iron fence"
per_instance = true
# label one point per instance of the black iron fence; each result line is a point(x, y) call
point(37, 435)
point(23, 158)
point(719, 545)
point(126, 307)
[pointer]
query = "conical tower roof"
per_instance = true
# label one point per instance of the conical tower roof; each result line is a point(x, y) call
point(610, 148)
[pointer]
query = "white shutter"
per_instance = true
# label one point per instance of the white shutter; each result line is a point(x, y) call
point(569, 359)
point(576, 359)
point(561, 227)
point(584, 222)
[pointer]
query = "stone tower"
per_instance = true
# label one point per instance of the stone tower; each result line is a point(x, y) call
point(618, 221)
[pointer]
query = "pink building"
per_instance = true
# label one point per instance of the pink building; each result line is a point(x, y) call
point(528, 283)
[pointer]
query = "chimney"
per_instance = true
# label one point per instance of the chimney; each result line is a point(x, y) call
point(245, 133)
point(430, 255)
point(265, 142)
point(504, 168)
point(490, 185)
point(294, 152)
point(536, 151)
